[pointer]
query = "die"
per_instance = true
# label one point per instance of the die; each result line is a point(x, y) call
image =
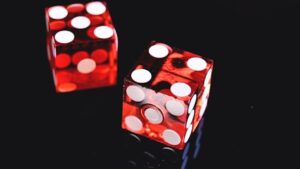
point(166, 93)
point(82, 46)
point(147, 154)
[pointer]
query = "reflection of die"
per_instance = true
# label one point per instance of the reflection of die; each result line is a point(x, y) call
point(82, 46)
point(144, 153)
point(166, 93)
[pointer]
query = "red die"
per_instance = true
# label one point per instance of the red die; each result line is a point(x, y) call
point(166, 94)
point(82, 46)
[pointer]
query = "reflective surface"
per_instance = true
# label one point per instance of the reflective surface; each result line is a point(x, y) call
point(142, 153)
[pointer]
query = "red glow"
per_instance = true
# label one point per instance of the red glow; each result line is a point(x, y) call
point(78, 56)
point(166, 91)
point(57, 25)
point(139, 67)
point(96, 20)
point(80, 78)
point(62, 60)
point(75, 8)
point(99, 55)
point(102, 70)
point(90, 33)
point(63, 76)
point(66, 87)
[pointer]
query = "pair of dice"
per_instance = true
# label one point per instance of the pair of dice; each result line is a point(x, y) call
point(166, 92)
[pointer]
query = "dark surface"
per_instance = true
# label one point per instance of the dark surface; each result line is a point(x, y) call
point(253, 49)
point(143, 153)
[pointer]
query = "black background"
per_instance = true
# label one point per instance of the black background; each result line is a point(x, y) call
point(252, 44)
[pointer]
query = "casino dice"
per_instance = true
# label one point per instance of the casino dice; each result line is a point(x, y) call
point(165, 94)
point(142, 153)
point(82, 46)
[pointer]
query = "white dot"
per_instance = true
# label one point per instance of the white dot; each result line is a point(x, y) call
point(188, 133)
point(153, 116)
point(207, 78)
point(95, 8)
point(203, 107)
point(103, 32)
point(80, 22)
point(135, 93)
point(58, 12)
point(190, 119)
point(197, 64)
point(159, 51)
point(192, 103)
point(180, 89)
point(171, 137)
point(64, 36)
point(175, 107)
point(133, 123)
point(141, 75)
point(86, 66)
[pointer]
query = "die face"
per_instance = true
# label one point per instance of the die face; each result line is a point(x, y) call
point(188, 65)
point(182, 63)
point(202, 99)
point(147, 112)
point(164, 94)
point(71, 80)
point(144, 153)
point(82, 46)
point(158, 112)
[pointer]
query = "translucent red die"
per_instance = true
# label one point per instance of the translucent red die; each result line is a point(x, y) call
point(82, 46)
point(165, 94)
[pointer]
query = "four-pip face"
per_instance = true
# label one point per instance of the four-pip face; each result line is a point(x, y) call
point(165, 95)
point(82, 46)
